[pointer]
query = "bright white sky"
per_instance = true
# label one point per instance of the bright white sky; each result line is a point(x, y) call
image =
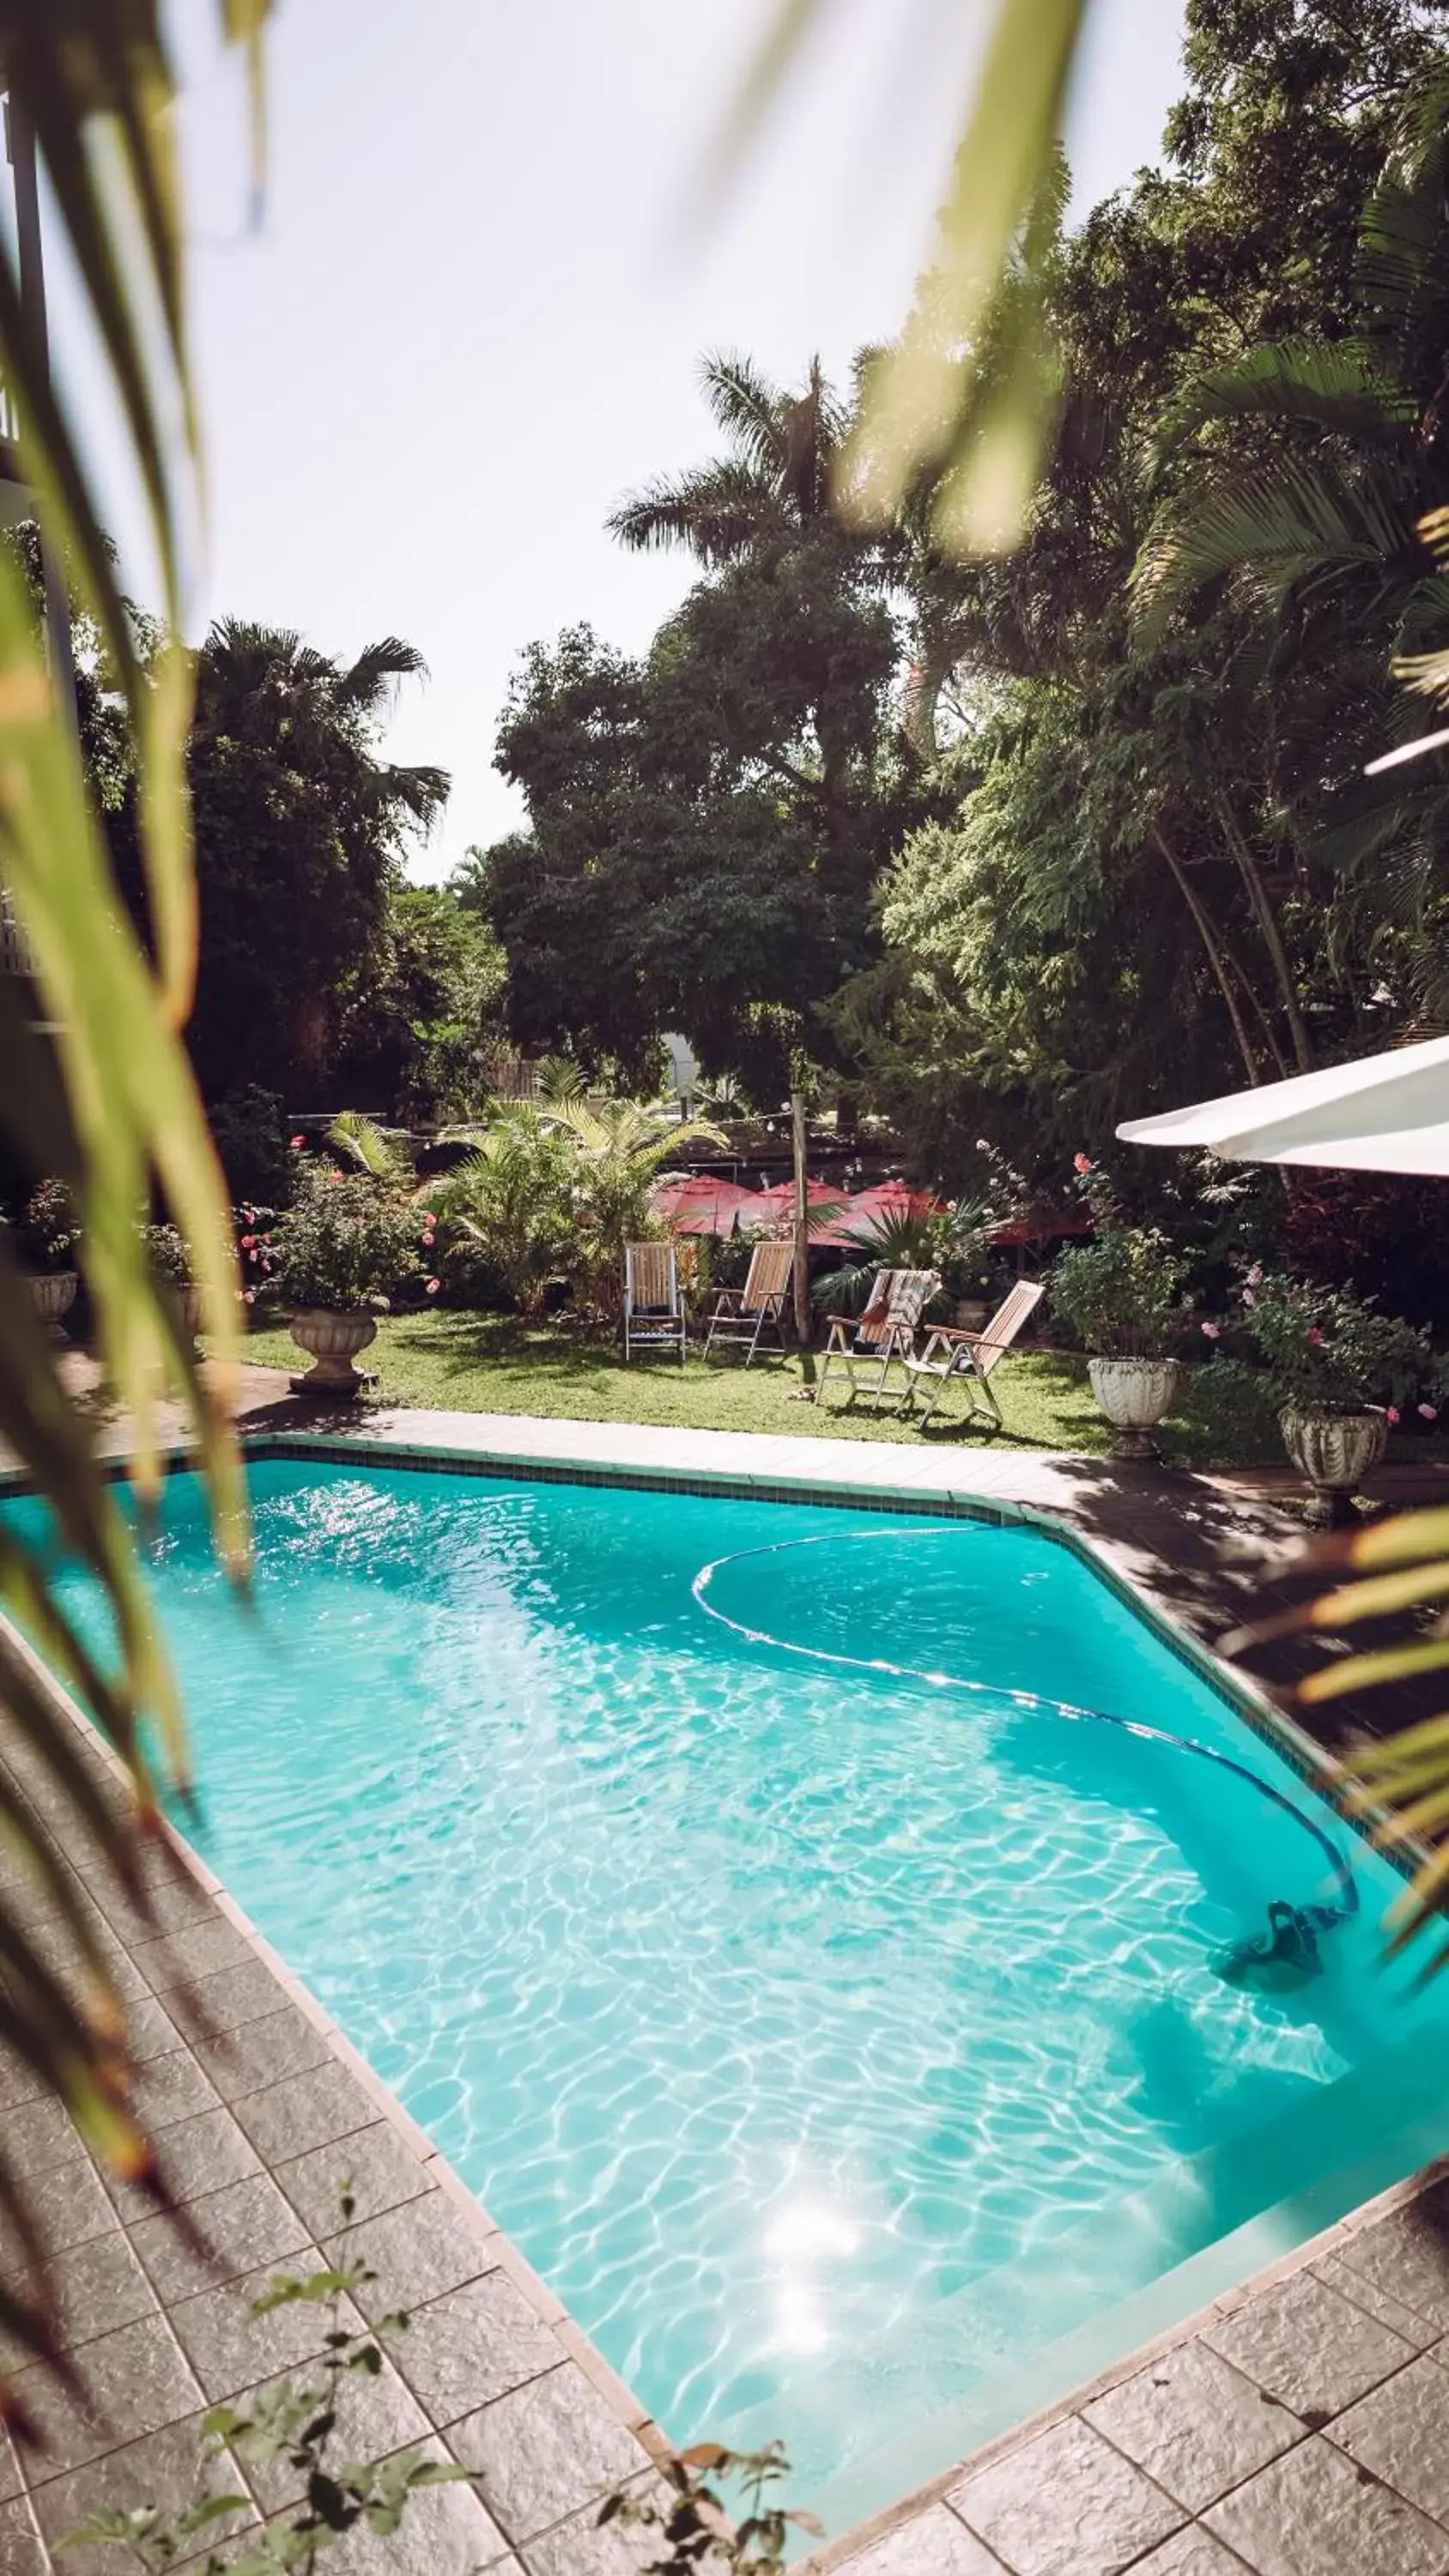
point(470, 320)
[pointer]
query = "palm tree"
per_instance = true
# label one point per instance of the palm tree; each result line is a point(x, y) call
point(621, 1146)
point(773, 486)
point(264, 686)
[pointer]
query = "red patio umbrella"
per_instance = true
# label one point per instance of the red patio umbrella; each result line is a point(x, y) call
point(701, 1206)
point(777, 1205)
point(889, 1204)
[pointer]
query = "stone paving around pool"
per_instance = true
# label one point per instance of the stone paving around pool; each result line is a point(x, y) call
point(1299, 2427)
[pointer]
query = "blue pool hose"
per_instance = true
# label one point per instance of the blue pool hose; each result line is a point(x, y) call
point(1314, 1918)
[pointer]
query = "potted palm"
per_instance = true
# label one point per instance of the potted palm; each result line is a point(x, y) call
point(338, 1257)
point(1121, 1295)
point(46, 1238)
point(1339, 1372)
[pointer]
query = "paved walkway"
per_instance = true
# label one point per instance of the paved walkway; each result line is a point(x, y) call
point(1297, 2428)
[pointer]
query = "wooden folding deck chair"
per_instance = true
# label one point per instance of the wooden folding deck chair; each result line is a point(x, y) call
point(886, 1331)
point(653, 1299)
point(745, 1314)
point(971, 1357)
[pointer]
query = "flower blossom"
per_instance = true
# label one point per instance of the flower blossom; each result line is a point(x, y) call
point(1255, 1275)
point(1392, 1414)
point(249, 1296)
point(1315, 1338)
point(432, 1286)
point(1428, 1412)
point(1081, 1162)
point(298, 1141)
point(1212, 1331)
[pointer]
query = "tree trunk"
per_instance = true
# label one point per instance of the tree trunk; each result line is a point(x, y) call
point(1215, 956)
point(1272, 936)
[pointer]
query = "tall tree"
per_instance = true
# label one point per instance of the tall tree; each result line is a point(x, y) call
point(301, 830)
point(774, 485)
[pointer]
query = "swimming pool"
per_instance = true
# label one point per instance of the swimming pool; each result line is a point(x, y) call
point(745, 1899)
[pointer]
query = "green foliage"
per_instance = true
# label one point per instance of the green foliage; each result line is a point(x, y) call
point(554, 1192)
point(289, 2425)
point(249, 1132)
point(512, 1201)
point(706, 823)
point(301, 832)
point(620, 1148)
point(1328, 1351)
point(168, 1255)
point(421, 1022)
point(347, 1242)
point(48, 1231)
point(697, 2532)
point(952, 1241)
point(1121, 1294)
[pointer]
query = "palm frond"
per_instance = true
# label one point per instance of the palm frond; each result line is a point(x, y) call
point(368, 684)
point(361, 1142)
point(716, 512)
point(1332, 384)
point(94, 1082)
point(1285, 526)
point(748, 408)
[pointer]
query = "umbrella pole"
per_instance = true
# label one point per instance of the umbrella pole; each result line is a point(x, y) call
point(802, 1237)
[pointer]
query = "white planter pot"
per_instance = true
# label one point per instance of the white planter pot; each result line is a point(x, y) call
point(1335, 1451)
point(334, 1342)
point(52, 1294)
point(187, 1302)
point(1134, 1395)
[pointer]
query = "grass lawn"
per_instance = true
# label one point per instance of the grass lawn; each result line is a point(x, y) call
point(493, 1364)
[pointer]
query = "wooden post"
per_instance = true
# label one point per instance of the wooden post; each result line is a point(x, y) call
point(802, 1218)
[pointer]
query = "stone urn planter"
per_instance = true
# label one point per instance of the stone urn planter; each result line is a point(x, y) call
point(1134, 1394)
point(1334, 1451)
point(52, 1294)
point(188, 1307)
point(334, 1342)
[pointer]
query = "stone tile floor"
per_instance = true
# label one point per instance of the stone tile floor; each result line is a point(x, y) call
point(1298, 2428)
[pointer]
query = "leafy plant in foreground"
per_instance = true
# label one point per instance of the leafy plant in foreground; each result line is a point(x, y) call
point(698, 2535)
point(293, 2424)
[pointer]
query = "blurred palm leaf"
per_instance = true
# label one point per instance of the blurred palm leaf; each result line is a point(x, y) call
point(94, 1082)
point(964, 400)
point(1401, 1781)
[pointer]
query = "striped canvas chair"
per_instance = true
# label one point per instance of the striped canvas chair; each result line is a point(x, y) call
point(746, 1314)
point(653, 1299)
point(971, 1357)
point(886, 1332)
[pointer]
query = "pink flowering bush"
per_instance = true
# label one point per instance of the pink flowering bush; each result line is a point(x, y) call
point(349, 1242)
point(1326, 1351)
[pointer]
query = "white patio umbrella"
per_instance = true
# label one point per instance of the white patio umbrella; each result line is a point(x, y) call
point(1386, 1113)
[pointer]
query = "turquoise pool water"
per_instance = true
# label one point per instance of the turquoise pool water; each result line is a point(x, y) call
point(832, 2028)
